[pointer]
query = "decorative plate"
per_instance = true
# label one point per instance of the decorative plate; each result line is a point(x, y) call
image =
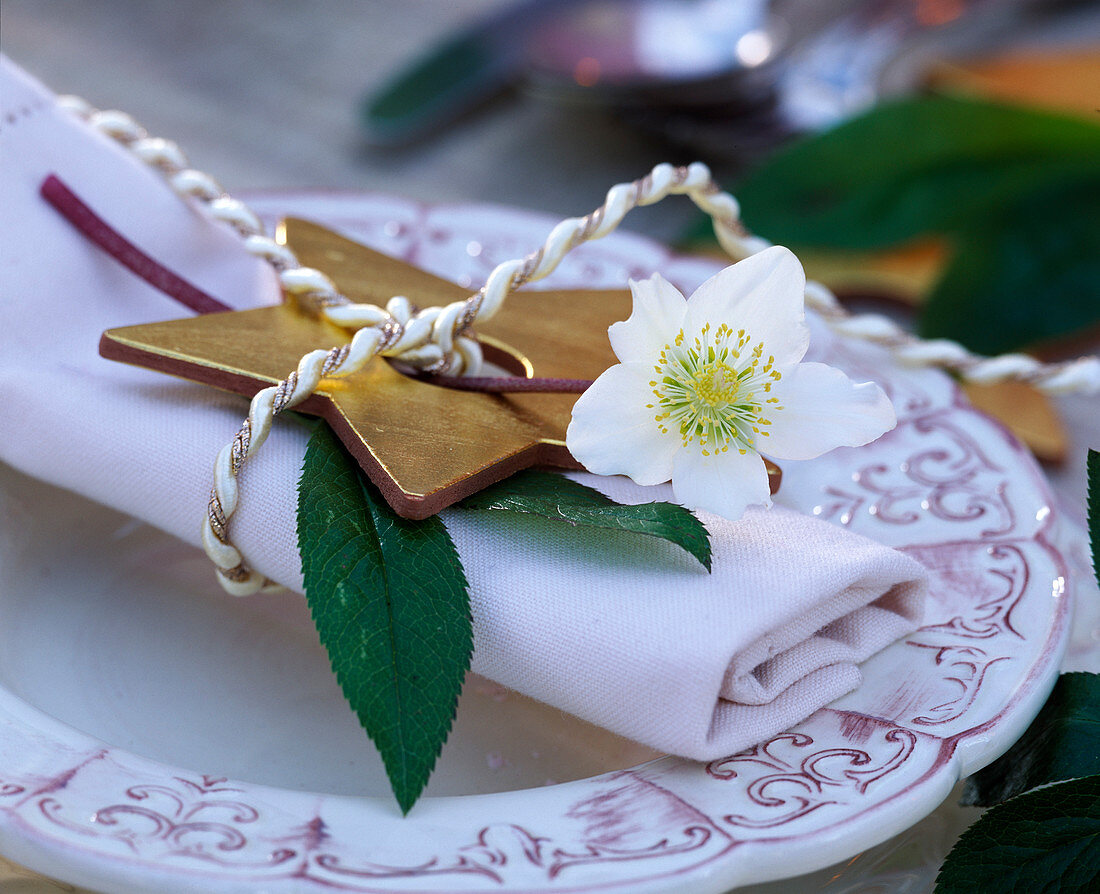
point(132, 709)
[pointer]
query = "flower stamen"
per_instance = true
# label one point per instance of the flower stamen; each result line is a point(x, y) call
point(707, 390)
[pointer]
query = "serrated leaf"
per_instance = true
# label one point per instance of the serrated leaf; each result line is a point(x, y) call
point(1063, 742)
point(1029, 273)
point(389, 599)
point(932, 164)
point(1044, 841)
point(562, 499)
point(1094, 511)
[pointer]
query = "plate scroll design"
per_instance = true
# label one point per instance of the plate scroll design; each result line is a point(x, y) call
point(208, 819)
point(963, 666)
point(951, 479)
point(969, 641)
point(992, 617)
point(507, 853)
point(929, 483)
point(621, 819)
point(204, 819)
point(786, 780)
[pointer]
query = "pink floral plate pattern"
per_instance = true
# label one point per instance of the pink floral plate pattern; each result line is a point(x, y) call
point(947, 486)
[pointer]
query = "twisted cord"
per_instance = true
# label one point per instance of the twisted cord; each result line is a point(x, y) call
point(341, 361)
point(437, 340)
point(433, 339)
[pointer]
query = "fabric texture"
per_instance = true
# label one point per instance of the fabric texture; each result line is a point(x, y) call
point(626, 632)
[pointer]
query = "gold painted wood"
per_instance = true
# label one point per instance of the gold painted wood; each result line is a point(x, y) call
point(1027, 413)
point(423, 445)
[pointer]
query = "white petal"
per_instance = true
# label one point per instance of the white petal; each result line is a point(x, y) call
point(656, 318)
point(725, 484)
point(765, 295)
point(824, 409)
point(613, 432)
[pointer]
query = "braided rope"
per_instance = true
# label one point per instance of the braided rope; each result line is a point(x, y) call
point(436, 339)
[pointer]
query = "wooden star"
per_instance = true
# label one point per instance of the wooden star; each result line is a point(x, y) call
point(424, 446)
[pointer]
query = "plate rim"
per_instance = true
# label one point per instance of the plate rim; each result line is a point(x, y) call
point(32, 848)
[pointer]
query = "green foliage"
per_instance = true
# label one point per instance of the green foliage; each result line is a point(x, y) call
point(1044, 841)
point(923, 165)
point(1063, 742)
point(562, 499)
point(389, 598)
point(1014, 190)
point(1030, 273)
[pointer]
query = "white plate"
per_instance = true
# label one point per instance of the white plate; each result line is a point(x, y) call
point(158, 736)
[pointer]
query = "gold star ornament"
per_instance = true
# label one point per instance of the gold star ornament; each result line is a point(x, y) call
point(424, 446)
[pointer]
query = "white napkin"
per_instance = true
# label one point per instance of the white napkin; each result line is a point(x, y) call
point(626, 632)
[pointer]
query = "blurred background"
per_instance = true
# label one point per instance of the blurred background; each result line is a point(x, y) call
point(937, 160)
point(273, 95)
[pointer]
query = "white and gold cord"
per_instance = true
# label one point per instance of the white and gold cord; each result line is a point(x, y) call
point(439, 340)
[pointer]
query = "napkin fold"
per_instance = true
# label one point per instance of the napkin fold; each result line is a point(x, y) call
point(626, 632)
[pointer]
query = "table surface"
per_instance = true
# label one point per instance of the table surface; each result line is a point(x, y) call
point(264, 95)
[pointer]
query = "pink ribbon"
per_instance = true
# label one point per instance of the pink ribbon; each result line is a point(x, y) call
point(100, 233)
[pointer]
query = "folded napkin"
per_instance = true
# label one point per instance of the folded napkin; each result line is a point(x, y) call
point(626, 632)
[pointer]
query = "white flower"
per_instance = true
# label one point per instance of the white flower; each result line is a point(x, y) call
point(707, 385)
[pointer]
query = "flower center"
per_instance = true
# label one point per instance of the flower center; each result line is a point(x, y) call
point(714, 391)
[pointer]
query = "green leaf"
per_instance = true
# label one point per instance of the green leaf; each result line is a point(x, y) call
point(1030, 273)
point(1094, 511)
point(390, 601)
point(562, 499)
point(916, 166)
point(1044, 841)
point(1014, 189)
point(1062, 742)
